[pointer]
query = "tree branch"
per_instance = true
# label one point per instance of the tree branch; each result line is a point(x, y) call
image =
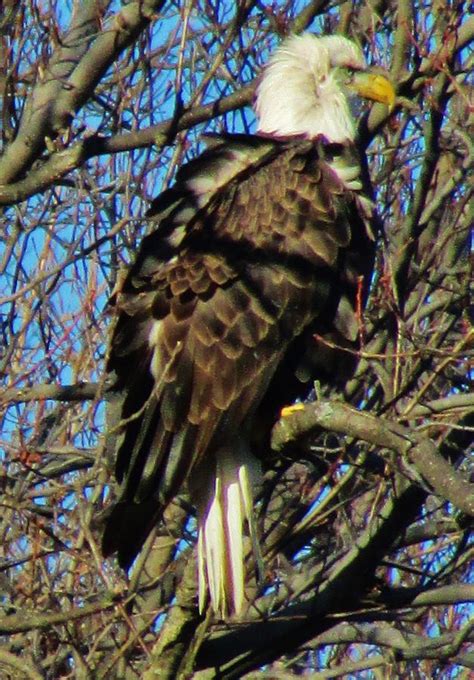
point(77, 392)
point(410, 446)
point(73, 74)
point(38, 116)
point(18, 623)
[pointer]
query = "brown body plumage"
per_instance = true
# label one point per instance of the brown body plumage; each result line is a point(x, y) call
point(260, 245)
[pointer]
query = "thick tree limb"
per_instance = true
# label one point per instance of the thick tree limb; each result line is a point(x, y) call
point(412, 447)
point(77, 392)
point(39, 114)
point(73, 73)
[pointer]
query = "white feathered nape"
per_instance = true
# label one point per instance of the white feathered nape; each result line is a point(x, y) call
point(299, 93)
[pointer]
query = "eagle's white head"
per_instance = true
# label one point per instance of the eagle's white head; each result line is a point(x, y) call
point(304, 89)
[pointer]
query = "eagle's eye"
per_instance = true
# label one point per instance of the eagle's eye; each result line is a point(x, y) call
point(346, 75)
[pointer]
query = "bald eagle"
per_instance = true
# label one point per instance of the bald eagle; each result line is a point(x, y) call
point(260, 245)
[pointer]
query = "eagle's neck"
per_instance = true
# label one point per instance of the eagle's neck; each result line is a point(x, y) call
point(299, 94)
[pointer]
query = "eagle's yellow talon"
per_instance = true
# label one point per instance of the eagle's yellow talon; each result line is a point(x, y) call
point(289, 410)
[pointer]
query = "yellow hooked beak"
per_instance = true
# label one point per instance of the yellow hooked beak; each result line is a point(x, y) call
point(374, 86)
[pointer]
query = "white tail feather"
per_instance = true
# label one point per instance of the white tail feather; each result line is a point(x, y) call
point(234, 517)
point(221, 553)
point(202, 583)
point(247, 482)
point(215, 548)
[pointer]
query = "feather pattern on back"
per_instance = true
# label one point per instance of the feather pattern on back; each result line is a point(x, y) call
point(258, 246)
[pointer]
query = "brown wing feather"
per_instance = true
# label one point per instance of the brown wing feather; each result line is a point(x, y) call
point(202, 332)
